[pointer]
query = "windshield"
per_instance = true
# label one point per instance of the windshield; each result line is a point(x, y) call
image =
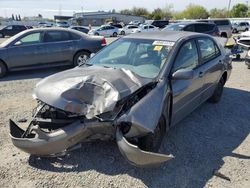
point(143, 57)
point(174, 27)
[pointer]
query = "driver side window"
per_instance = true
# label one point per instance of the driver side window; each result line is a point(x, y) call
point(187, 57)
point(33, 38)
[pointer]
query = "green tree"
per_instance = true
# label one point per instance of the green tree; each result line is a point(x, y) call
point(218, 13)
point(137, 11)
point(194, 12)
point(126, 11)
point(239, 10)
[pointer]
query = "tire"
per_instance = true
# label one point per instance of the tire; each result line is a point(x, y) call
point(3, 69)
point(114, 34)
point(246, 29)
point(81, 58)
point(235, 31)
point(123, 33)
point(215, 98)
point(224, 35)
point(2, 35)
point(248, 66)
point(96, 34)
point(152, 141)
point(238, 56)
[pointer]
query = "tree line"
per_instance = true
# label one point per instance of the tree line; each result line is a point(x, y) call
point(192, 11)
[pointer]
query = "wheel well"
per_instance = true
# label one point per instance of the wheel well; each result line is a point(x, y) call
point(223, 34)
point(82, 51)
point(1, 61)
point(224, 76)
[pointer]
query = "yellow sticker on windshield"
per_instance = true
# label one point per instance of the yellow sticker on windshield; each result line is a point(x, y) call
point(158, 48)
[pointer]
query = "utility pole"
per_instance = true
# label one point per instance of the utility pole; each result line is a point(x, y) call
point(228, 10)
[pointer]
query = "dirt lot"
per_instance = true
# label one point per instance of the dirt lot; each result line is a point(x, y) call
point(213, 138)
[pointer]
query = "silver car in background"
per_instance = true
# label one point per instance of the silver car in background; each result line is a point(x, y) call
point(105, 30)
point(47, 47)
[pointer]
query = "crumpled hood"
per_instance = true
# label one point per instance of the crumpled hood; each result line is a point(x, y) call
point(88, 91)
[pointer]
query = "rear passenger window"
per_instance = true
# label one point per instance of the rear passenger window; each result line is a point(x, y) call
point(57, 36)
point(209, 50)
point(189, 28)
point(201, 28)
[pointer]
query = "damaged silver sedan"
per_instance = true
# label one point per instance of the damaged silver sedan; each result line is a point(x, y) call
point(132, 91)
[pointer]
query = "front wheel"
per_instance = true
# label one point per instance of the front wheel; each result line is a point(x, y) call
point(152, 141)
point(81, 58)
point(123, 33)
point(3, 69)
point(215, 98)
point(114, 34)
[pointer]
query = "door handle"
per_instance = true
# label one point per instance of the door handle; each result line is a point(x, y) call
point(201, 74)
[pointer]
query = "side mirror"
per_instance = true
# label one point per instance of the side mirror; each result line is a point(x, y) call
point(183, 74)
point(92, 55)
point(18, 43)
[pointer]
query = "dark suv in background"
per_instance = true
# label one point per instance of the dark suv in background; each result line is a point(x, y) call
point(199, 27)
point(11, 30)
point(160, 23)
point(224, 26)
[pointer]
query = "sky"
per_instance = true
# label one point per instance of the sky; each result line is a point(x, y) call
point(49, 8)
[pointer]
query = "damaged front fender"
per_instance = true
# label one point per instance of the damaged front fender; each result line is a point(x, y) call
point(138, 157)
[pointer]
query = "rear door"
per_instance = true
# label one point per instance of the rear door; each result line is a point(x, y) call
point(60, 46)
point(27, 51)
point(211, 63)
point(187, 93)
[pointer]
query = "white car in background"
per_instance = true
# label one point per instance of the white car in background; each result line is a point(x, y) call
point(127, 29)
point(145, 28)
point(105, 30)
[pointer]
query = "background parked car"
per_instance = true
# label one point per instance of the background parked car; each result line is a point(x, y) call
point(145, 28)
point(106, 30)
point(224, 26)
point(62, 24)
point(160, 23)
point(80, 28)
point(11, 30)
point(127, 29)
point(116, 25)
point(47, 47)
point(135, 22)
point(242, 26)
point(199, 27)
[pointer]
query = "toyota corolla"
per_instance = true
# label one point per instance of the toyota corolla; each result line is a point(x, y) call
point(132, 91)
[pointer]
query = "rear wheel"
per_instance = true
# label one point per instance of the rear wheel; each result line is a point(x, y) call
point(81, 58)
point(238, 56)
point(114, 34)
point(215, 98)
point(3, 69)
point(224, 35)
point(123, 32)
point(246, 29)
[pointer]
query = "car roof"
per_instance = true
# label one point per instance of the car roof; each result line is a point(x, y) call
point(165, 35)
point(188, 23)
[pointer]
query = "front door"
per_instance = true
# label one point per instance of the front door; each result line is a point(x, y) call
point(187, 93)
point(27, 51)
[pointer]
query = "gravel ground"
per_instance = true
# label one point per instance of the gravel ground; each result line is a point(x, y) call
point(213, 139)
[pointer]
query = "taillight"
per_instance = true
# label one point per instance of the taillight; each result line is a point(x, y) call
point(104, 43)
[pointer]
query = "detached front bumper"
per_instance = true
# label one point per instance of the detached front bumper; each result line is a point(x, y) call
point(41, 143)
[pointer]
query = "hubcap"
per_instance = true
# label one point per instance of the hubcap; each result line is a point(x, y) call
point(82, 59)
